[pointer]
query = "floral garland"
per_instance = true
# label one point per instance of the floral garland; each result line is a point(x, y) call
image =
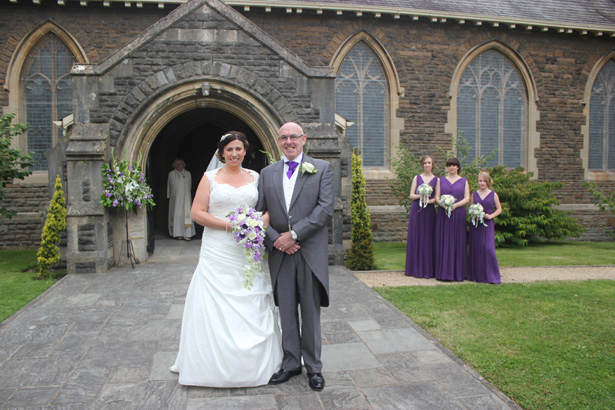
point(124, 185)
point(247, 225)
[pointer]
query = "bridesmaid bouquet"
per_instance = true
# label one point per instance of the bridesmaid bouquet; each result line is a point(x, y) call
point(477, 215)
point(424, 190)
point(447, 202)
point(249, 232)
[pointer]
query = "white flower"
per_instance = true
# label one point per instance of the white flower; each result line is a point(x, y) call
point(307, 167)
point(447, 202)
point(477, 214)
point(241, 217)
point(424, 191)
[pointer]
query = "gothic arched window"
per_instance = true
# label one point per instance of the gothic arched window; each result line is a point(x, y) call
point(492, 110)
point(362, 96)
point(602, 120)
point(47, 94)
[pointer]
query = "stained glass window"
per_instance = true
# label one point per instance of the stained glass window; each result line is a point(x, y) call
point(47, 94)
point(362, 97)
point(492, 110)
point(602, 120)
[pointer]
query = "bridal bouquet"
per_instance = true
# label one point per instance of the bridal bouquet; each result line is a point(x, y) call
point(249, 232)
point(477, 214)
point(424, 190)
point(447, 202)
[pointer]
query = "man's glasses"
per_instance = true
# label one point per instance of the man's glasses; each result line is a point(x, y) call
point(293, 138)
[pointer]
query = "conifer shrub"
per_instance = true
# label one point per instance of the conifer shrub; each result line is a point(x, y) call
point(49, 253)
point(361, 254)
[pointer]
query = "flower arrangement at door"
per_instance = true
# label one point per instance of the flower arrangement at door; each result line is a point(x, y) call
point(247, 225)
point(124, 185)
point(447, 202)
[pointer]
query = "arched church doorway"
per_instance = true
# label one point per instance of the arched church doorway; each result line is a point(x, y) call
point(192, 136)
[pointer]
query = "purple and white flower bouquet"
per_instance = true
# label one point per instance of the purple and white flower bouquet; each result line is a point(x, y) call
point(249, 232)
point(424, 190)
point(477, 215)
point(124, 185)
point(447, 202)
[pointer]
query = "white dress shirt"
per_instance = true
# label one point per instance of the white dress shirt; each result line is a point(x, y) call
point(289, 183)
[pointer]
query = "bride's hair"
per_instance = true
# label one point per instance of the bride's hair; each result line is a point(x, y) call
point(227, 138)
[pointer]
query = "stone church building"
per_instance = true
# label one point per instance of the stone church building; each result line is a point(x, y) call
point(154, 80)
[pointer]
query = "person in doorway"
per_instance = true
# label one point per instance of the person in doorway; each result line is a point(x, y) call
point(179, 186)
point(297, 193)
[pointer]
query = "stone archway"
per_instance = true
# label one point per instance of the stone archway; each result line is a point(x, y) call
point(182, 117)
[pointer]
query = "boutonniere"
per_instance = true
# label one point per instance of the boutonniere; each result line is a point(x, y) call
point(307, 167)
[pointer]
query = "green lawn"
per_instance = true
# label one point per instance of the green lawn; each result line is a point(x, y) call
point(18, 281)
point(547, 345)
point(392, 255)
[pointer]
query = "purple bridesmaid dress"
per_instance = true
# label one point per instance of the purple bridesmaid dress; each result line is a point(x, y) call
point(482, 261)
point(420, 249)
point(451, 235)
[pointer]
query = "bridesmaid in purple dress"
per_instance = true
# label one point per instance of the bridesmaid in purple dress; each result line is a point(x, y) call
point(482, 261)
point(451, 233)
point(420, 248)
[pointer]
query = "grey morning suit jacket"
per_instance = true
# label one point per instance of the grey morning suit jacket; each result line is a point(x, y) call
point(311, 209)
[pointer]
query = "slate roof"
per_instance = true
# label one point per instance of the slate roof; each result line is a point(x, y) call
point(578, 14)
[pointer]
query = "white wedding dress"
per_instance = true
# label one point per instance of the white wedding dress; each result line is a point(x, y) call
point(230, 335)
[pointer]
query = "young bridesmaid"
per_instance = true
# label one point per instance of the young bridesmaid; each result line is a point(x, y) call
point(482, 261)
point(420, 247)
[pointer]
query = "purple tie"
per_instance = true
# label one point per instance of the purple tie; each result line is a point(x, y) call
point(291, 168)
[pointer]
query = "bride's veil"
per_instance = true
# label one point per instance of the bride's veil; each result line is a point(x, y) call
point(214, 163)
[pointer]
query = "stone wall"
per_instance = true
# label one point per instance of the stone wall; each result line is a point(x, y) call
point(23, 230)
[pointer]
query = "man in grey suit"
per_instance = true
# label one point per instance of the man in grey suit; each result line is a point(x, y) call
point(298, 194)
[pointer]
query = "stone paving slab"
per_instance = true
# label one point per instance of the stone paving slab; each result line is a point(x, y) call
point(106, 341)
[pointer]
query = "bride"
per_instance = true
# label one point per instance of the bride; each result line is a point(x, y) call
point(230, 335)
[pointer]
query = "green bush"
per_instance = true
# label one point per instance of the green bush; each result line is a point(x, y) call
point(528, 209)
point(361, 254)
point(406, 165)
point(13, 162)
point(49, 253)
point(604, 201)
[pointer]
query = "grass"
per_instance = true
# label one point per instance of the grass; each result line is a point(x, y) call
point(547, 345)
point(18, 280)
point(392, 255)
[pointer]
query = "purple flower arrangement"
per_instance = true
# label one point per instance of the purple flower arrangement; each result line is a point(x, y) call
point(249, 231)
point(124, 185)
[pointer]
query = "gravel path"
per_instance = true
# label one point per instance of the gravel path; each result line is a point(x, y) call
point(509, 275)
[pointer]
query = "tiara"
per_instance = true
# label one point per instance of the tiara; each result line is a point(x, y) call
point(224, 136)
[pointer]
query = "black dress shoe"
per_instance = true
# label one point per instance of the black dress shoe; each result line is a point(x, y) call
point(317, 382)
point(284, 375)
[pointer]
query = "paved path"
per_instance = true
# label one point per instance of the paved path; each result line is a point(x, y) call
point(106, 341)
